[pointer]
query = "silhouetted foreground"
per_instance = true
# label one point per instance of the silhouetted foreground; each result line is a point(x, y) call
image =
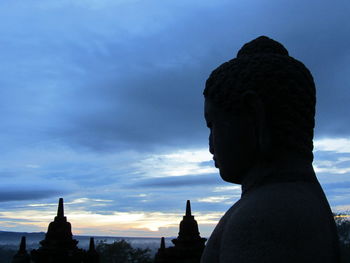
point(343, 227)
point(260, 109)
point(122, 252)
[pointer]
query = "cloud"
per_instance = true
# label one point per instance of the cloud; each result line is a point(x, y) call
point(181, 181)
point(25, 195)
point(338, 185)
point(28, 189)
point(337, 145)
point(134, 80)
point(177, 163)
point(220, 199)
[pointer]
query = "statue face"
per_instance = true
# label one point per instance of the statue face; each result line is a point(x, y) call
point(232, 141)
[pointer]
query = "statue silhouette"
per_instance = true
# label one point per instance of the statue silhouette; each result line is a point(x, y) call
point(260, 110)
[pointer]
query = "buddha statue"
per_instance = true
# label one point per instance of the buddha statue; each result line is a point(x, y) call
point(260, 109)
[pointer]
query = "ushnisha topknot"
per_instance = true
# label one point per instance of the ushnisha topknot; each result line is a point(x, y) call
point(284, 85)
point(262, 45)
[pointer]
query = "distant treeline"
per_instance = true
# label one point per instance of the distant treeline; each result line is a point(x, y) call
point(6, 254)
point(343, 226)
point(118, 251)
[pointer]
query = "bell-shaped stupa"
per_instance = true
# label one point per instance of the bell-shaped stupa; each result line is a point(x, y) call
point(189, 234)
point(21, 256)
point(58, 245)
point(189, 245)
point(91, 255)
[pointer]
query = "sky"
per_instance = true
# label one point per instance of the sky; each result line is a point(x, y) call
point(101, 104)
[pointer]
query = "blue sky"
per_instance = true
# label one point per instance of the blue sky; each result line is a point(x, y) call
point(101, 103)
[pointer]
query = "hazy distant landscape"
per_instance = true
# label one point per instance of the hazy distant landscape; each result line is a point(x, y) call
point(11, 240)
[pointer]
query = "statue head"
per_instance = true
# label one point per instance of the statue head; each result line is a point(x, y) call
point(259, 106)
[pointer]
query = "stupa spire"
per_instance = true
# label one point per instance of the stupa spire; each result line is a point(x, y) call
point(162, 244)
point(92, 244)
point(188, 208)
point(60, 210)
point(22, 246)
point(92, 255)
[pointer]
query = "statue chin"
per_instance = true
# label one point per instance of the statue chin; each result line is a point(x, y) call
point(227, 177)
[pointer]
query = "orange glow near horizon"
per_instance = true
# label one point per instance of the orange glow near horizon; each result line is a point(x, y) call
point(140, 224)
point(340, 216)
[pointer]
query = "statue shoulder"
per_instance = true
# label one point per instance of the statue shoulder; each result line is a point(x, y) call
point(212, 250)
point(285, 222)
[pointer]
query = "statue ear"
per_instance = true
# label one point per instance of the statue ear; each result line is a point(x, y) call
point(254, 108)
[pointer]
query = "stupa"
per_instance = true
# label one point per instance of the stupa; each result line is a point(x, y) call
point(59, 245)
point(21, 256)
point(91, 256)
point(188, 246)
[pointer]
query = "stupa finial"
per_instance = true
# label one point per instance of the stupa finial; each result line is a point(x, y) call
point(60, 210)
point(92, 244)
point(91, 255)
point(162, 243)
point(22, 246)
point(188, 208)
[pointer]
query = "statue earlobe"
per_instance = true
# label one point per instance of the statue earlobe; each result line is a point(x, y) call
point(254, 107)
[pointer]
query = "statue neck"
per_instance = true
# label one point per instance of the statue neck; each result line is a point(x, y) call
point(285, 168)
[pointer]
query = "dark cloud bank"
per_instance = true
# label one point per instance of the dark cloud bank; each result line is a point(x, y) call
point(147, 93)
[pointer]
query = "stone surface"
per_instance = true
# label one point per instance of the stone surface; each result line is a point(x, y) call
point(188, 246)
point(260, 110)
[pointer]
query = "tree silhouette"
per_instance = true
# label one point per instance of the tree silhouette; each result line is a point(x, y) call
point(343, 227)
point(122, 252)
